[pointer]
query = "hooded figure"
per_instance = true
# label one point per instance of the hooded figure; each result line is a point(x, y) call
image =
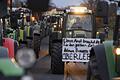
point(77, 24)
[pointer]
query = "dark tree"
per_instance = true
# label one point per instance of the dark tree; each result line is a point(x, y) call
point(90, 4)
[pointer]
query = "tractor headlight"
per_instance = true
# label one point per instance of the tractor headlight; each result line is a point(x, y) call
point(117, 51)
point(70, 33)
point(55, 26)
point(25, 57)
point(97, 33)
point(33, 18)
point(79, 9)
point(60, 31)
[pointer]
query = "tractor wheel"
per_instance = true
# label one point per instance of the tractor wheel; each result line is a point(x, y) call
point(93, 73)
point(57, 66)
point(36, 44)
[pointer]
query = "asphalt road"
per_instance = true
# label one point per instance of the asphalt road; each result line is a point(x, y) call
point(41, 70)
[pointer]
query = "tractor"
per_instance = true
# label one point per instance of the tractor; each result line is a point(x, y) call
point(15, 67)
point(104, 61)
point(25, 29)
point(74, 23)
point(12, 67)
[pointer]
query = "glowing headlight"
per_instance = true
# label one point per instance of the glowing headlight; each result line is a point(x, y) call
point(97, 33)
point(33, 18)
point(70, 33)
point(78, 9)
point(60, 31)
point(25, 57)
point(55, 26)
point(117, 51)
point(22, 13)
point(24, 16)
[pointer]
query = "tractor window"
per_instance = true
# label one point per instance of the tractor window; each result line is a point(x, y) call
point(83, 22)
point(79, 26)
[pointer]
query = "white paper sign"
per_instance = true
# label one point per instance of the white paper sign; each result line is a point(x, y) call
point(77, 49)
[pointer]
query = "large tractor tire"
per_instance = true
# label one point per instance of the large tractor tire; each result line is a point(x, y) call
point(52, 38)
point(36, 44)
point(57, 66)
point(98, 68)
point(93, 73)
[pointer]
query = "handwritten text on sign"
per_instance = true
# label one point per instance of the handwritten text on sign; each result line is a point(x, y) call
point(77, 49)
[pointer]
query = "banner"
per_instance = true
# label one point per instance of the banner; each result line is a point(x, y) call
point(77, 49)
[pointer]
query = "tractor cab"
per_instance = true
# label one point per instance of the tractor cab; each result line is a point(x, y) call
point(72, 37)
point(57, 24)
point(79, 23)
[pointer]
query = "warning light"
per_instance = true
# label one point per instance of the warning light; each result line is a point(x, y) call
point(33, 18)
point(55, 26)
point(97, 33)
point(117, 51)
point(79, 9)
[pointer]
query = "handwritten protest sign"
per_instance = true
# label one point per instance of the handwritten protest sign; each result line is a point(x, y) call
point(77, 49)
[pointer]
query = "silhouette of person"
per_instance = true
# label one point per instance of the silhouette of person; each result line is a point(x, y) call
point(77, 24)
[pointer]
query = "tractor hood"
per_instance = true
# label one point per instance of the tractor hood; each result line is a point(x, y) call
point(8, 68)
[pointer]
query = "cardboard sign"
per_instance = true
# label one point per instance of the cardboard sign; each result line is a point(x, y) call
point(77, 49)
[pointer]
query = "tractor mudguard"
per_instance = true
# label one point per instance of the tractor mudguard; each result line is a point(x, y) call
point(99, 52)
point(9, 43)
point(3, 52)
point(110, 57)
point(8, 68)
